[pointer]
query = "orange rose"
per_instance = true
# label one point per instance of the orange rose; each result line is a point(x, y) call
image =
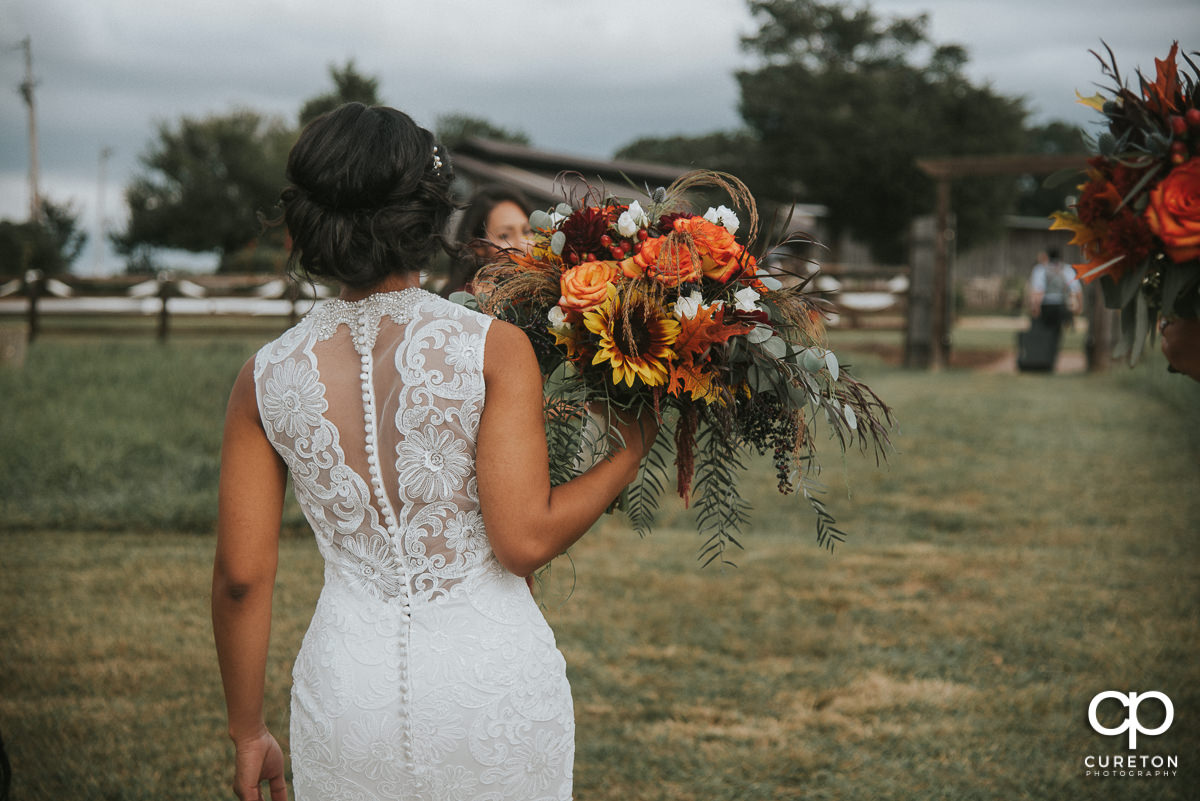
point(720, 253)
point(664, 261)
point(585, 286)
point(633, 267)
point(1173, 213)
point(669, 261)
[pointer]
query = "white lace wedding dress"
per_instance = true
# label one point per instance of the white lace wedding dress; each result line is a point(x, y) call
point(428, 671)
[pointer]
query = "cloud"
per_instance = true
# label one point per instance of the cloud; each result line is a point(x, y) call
point(576, 76)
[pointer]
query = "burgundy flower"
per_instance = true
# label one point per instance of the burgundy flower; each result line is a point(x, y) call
point(666, 223)
point(583, 230)
point(1128, 233)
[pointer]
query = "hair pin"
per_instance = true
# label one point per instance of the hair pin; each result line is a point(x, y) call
point(437, 161)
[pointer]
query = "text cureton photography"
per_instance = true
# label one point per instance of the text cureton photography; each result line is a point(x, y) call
point(1125, 706)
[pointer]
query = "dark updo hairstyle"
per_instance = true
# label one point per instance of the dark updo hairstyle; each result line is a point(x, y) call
point(369, 195)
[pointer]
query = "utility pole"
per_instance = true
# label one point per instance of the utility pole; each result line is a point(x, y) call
point(101, 221)
point(26, 89)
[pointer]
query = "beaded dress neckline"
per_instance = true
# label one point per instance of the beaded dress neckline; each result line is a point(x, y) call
point(363, 316)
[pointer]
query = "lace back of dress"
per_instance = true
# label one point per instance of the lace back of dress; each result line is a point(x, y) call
point(375, 408)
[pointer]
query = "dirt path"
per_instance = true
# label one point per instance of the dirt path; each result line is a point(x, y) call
point(1069, 361)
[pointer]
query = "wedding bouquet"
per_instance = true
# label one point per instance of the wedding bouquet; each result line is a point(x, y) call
point(1137, 218)
point(633, 308)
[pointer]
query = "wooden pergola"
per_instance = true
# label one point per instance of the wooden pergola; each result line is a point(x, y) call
point(945, 169)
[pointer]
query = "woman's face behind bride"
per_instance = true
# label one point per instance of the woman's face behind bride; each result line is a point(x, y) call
point(508, 227)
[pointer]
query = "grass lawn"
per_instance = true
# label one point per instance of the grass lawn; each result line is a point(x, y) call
point(1032, 542)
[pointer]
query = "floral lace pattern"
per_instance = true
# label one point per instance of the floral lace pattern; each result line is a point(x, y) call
point(427, 671)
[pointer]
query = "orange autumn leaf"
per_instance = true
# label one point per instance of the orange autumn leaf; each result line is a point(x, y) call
point(691, 378)
point(708, 326)
point(1161, 95)
point(696, 334)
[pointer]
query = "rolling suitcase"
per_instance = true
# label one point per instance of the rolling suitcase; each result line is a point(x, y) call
point(1037, 348)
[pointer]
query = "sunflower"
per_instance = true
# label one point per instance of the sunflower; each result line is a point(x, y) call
point(636, 335)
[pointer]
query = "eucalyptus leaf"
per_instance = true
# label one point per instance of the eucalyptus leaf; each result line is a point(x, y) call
point(1173, 281)
point(831, 362)
point(1128, 327)
point(1141, 328)
point(812, 360)
point(558, 242)
point(761, 379)
point(736, 349)
point(540, 221)
point(851, 417)
point(564, 209)
point(797, 394)
point(464, 299)
point(776, 347)
point(1131, 283)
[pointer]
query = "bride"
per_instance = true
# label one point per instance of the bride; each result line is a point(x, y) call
point(412, 430)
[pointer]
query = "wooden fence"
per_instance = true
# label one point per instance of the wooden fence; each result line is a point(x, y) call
point(163, 298)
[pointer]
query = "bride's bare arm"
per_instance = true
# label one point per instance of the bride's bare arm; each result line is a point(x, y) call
point(250, 504)
point(528, 522)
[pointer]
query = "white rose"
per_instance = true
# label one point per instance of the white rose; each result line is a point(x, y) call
point(744, 299)
point(557, 317)
point(626, 225)
point(686, 308)
point(638, 214)
point(723, 216)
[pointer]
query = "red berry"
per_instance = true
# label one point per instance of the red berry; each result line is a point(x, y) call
point(606, 240)
point(617, 253)
point(573, 257)
point(591, 257)
point(643, 234)
point(1193, 117)
point(1179, 153)
point(1179, 125)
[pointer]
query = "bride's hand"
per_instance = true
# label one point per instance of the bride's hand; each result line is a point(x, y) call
point(259, 759)
point(638, 432)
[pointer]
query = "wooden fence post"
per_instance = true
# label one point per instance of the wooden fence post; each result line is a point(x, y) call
point(918, 336)
point(1101, 330)
point(164, 292)
point(33, 286)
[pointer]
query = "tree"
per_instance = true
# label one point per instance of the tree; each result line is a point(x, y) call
point(51, 244)
point(1037, 199)
point(348, 86)
point(204, 183)
point(843, 103)
point(727, 151)
point(454, 129)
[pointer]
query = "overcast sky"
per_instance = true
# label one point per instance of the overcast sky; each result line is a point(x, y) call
point(576, 75)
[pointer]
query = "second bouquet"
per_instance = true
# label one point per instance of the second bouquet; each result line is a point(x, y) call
point(634, 307)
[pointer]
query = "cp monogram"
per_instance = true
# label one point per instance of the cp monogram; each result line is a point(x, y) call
point(1131, 723)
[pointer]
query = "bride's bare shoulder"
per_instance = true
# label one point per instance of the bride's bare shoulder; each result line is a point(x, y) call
point(507, 348)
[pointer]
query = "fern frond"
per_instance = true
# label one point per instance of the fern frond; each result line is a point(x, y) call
point(642, 496)
point(828, 533)
point(721, 512)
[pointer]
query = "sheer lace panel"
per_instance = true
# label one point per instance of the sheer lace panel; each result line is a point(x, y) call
point(375, 407)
